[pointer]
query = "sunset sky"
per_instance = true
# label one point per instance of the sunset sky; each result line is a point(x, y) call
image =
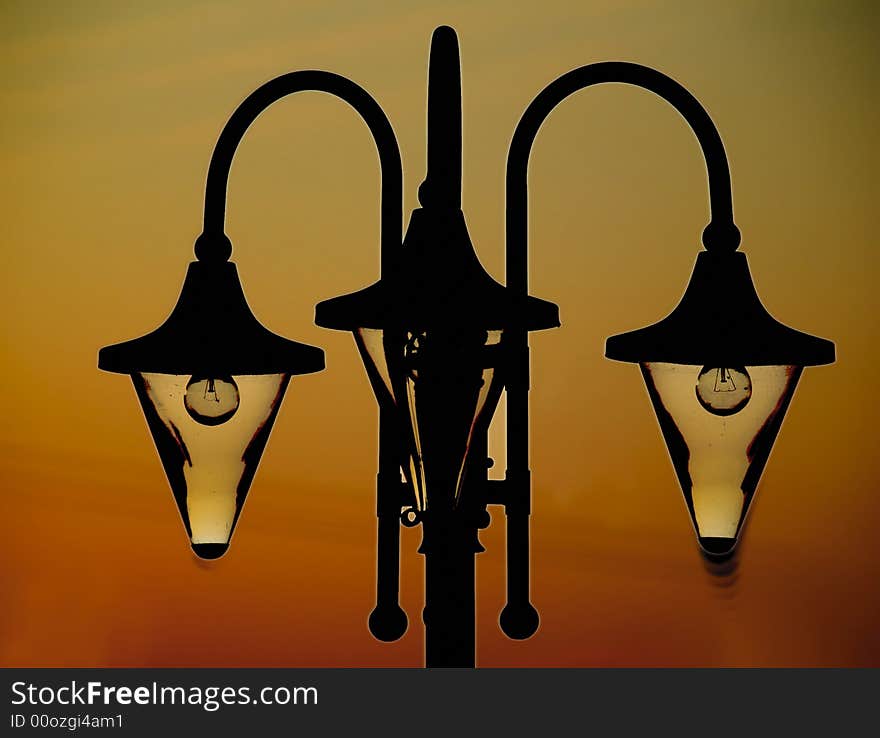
point(111, 111)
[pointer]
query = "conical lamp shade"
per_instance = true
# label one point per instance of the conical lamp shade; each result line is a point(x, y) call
point(442, 387)
point(429, 333)
point(719, 424)
point(210, 433)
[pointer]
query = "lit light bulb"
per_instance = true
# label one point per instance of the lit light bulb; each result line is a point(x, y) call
point(724, 390)
point(211, 401)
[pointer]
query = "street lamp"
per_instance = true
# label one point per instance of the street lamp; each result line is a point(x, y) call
point(210, 381)
point(431, 334)
point(720, 399)
point(720, 370)
point(211, 378)
point(441, 340)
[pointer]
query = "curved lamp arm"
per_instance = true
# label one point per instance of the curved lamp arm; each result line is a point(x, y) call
point(721, 233)
point(213, 244)
point(387, 621)
point(519, 618)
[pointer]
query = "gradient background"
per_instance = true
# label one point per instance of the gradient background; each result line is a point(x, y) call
point(111, 111)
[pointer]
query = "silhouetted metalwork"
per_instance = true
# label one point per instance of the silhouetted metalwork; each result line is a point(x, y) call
point(213, 333)
point(720, 325)
point(431, 333)
point(441, 341)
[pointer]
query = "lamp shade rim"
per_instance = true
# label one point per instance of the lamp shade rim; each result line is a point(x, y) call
point(720, 321)
point(437, 282)
point(211, 331)
point(378, 307)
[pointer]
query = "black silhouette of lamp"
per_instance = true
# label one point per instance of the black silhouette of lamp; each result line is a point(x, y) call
point(211, 378)
point(720, 370)
point(431, 335)
point(441, 340)
point(210, 381)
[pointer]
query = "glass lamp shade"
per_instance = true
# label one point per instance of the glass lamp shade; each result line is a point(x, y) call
point(443, 388)
point(210, 434)
point(429, 333)
point(719, 424)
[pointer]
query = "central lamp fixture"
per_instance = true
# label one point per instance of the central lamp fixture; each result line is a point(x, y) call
point(441, 341)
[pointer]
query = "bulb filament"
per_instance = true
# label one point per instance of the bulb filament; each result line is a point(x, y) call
point(724, 381)
point(211, 390)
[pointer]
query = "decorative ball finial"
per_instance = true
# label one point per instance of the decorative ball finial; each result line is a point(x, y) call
point(519, 621)
point(721, 237)
point(214, 248)
point(388, 622)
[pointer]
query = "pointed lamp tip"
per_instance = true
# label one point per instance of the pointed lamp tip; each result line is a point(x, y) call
point(718, 549)
point(210, 551)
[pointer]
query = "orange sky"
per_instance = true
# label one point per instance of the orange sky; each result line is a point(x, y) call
point(111, 115)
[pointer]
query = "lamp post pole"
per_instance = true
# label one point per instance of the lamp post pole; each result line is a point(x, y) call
point(450, 540)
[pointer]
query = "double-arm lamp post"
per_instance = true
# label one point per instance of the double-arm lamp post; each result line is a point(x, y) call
point(441, 340)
